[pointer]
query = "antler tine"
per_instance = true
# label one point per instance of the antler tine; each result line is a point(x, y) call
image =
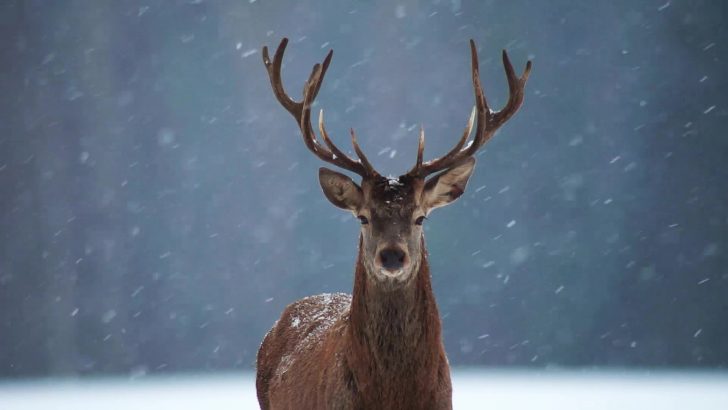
point(274, 72)
point(484, 112)
point(420, 148)
point(301, 111)
point(363, 160)
point(480, 100)
point(488, 121)
point(516, 86)
point(324, 67)
point(336, 151)
point(304, 121)
point(423, 169)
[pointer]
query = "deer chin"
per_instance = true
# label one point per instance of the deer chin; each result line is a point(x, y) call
point(391, 274)
point(393, 278)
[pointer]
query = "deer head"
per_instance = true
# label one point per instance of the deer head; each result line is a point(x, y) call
point(392, 210)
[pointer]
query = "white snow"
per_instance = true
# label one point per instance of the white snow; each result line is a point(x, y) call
point(472, 389)
point(165, 136)
point(249, 53)
point(108, 316)
point(664, 6)
point(520, 254)
point(394, 182)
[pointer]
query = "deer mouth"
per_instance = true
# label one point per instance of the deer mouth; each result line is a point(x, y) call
point(391, 273)
point(395, 277)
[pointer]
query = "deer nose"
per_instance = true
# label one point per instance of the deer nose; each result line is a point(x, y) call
point(392, 259)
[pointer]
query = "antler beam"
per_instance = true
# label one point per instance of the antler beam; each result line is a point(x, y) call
point(301, 112)
point(488, 121)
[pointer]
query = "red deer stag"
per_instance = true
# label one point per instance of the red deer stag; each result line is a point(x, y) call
point(380, 348)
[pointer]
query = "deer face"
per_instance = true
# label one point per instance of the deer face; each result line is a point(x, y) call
point(391, 213)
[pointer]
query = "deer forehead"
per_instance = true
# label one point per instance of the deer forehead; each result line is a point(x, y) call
point(392, 197)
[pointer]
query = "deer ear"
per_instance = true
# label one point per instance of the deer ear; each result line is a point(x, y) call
point(447, 186)
point(340, 190)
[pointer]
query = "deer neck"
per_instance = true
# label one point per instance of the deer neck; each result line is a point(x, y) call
point(394, 333)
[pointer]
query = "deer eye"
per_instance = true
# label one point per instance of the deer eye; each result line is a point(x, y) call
point(363, 219)
point(420, 220)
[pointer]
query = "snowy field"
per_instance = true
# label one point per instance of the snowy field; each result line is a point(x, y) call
point(500, 390)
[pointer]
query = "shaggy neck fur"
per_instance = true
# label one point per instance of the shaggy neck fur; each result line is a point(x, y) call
point(395, 340)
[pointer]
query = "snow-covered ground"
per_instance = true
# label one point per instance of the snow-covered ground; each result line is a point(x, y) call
point(473, 389)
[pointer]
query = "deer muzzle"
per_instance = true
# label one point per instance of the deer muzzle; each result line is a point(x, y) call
point(392, 260)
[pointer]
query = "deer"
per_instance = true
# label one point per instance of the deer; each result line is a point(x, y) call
point(380, 347)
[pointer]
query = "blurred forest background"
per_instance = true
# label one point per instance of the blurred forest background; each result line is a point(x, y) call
point(158, 209)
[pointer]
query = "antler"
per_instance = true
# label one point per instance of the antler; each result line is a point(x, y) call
point(301, 111)
point(488, 121)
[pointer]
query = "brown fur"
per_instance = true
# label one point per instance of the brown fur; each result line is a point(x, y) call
point(378, 349)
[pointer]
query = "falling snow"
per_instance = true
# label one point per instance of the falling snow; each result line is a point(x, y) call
point(161, 210)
